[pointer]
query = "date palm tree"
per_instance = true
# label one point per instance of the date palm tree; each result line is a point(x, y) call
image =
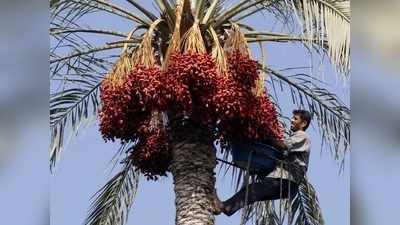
point(81, 56)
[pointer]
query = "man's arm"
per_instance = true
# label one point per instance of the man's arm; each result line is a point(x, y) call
point(278, 144)
point(281, 145)
point(289, 144)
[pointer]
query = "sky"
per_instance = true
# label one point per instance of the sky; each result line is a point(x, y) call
point(84, 165)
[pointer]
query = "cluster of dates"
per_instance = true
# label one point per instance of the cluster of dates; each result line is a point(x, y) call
point(128, 101)
point(242, 114)
point(192, 84)
point(152, 155)
point(192, 81)
point(126, 114)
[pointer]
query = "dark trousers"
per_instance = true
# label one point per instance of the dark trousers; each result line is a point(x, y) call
point(263, 190)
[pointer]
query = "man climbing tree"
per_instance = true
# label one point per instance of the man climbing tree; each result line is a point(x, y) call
point(283, 181)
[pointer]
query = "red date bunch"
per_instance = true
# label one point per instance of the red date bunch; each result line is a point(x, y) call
point(269, 124)
point(152, 156)
point(243, 69)
point(231, 100)
point(234, 95)
point(242, 114)
point(116, 121)
point(258, 121)
point(262, 121)
point(147, 89)
point(192, 81)
point(176, 81)
point(128, 103)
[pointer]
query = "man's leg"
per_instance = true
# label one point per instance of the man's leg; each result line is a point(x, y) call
point(267, 189)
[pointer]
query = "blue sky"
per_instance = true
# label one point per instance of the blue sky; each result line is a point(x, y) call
point(84, 166)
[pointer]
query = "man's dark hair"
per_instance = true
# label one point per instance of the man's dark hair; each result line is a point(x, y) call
point(304, 115)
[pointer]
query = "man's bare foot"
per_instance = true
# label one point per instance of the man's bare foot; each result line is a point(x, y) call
point(226, 209)
point(218, 207)
point(217, 204)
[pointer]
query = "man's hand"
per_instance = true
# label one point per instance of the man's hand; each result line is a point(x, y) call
point(285, 153)
point(276, 144)
point(280, 145)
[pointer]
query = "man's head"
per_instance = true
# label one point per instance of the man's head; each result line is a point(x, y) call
point(300, 120)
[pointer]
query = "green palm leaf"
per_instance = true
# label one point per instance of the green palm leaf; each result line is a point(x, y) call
point(146, 12)
point(322, 21)
point(306, 206)
point(69, 11)
point(265, 213)
point(113, 201)
point(71, 108)
point(78, 68)
point(304, 209)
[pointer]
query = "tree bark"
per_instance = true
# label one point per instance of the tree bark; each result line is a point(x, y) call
point(192, 167)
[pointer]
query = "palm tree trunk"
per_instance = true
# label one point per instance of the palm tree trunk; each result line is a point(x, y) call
point(192, 168)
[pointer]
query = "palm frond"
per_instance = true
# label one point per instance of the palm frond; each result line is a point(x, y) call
point(304, 209)
point(75, 102)
point(77, 67)
point(121, 153)
point(255, 36)
point(328, 20)
point(214, 7)
point(114, 200)
point(236, 10)
point(258, 36)
point(65, 30)
point(264, 213)
point(305, 206)
point(323, 22)
point(246, 14)
point(71, 10)
point(146, 12)
point(83, 52)
point(53, 2)
point(271, 212)
point(70, 108)
point(276, 8)
point(67, 12)
point(261, 213)
point(331, 114)
point(72, 52)
point(167, 8)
